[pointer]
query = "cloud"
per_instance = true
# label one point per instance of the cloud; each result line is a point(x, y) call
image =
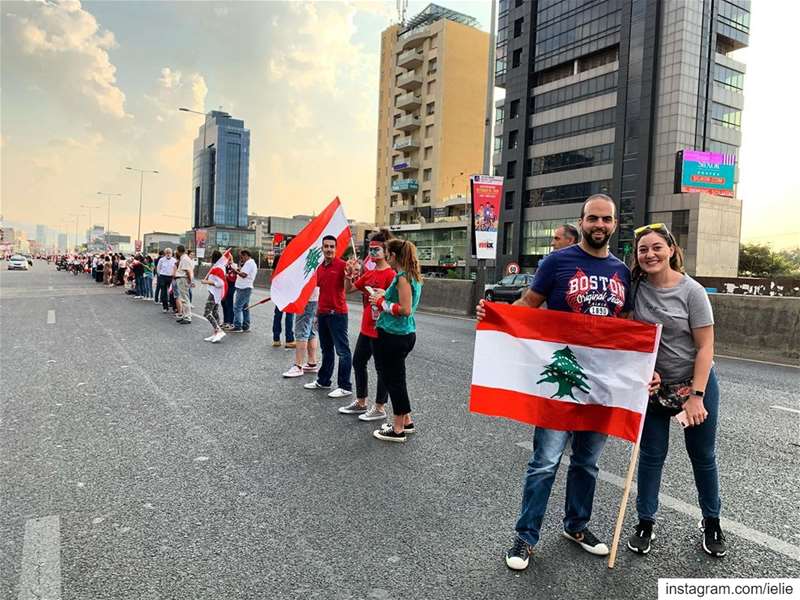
point(64, 45)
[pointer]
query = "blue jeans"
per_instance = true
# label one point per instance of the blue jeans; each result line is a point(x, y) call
point(548, 446)
point(241, 316)
point(227, 305)
point(140, 285)
point(148, 287)
point(701, 447)
point(276, 326)
point(332, 332)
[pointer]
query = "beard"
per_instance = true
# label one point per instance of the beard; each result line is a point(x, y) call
point(594, 243)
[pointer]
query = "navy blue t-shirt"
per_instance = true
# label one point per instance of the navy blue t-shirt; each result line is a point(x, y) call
point(575, 281)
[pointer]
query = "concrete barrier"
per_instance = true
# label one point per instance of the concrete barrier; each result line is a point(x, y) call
point(448, 296)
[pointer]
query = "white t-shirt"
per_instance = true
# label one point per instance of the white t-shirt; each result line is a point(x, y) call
point(166, 265)
point(250, 269)
point(185, 265)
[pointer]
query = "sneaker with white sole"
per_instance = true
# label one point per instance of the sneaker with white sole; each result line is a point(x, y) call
point(586, 540)
point(309, 368)
point(409, 428)
point(389, 435)
point(354, 408)
point(519, 554)
point(316, 385)
point(218, 338)
point(210, 338)
point(713, 538)
point(340, 393)
point(639, 541)
point(295, 371)
point(373, 414)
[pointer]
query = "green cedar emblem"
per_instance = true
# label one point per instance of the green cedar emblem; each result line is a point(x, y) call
point(312, 261)
point(566, 372)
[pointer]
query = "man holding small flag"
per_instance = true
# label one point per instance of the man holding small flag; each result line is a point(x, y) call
point(575, 377)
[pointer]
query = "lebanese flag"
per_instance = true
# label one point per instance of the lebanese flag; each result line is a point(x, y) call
point(565, 371)
point(296, 275)
point(217, 274)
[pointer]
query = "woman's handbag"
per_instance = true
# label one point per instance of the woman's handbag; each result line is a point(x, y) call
point(670, 397)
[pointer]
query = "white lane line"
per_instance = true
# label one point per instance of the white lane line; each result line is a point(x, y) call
point(41, 560)
point(761, 362)
point(743, 531)
point(792, 410)
point(51, 317)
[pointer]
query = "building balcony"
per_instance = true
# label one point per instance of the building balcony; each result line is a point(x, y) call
point(405, 186)
point(408, 123)
point(410, 81)
point(410, 58)
point(409, 102)
point(414, 38)
point(405, 164)
point(404, 206)
point(406, 143)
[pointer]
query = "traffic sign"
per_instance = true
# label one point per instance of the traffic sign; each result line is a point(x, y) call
point(512, 268)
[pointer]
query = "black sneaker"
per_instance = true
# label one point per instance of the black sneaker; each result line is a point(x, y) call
point(586, 540)
point(518, 555)
point(389, 435)
point(713, 538)
point(639, 542)
point(406, 428)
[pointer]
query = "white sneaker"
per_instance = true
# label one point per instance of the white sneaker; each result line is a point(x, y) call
point(340, 393)
point(210, 338)
point(315, 385)
point(311, 368)
point(218, 337)
point(295, 371)
point(373, 414)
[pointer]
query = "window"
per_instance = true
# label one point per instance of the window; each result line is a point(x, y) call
point(508, 238)
point(511, 169)
point(598, 59)
point(566, 194)
point(679, 228)
point(516, 58)
point(513, 139)
point(574, 159)
point(518, 3)
point(509, 203)
point(499, 115)
point(734, 16)
point(428, 131)
point(514, 109)
point(537, 235)
point(498, 143)
point(426, 196)
point(726, 116)
point(427, 153)
point(500, 59)
point(733, 80)
point(430, 87)
point(432, 66)
point(590, 88)
point(554, 73)
point(722, 148)
point(595, 121)
point(429, 108)
point(426, 175)
point(502, 34)
point(518, 27)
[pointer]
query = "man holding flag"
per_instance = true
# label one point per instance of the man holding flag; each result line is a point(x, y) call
point(584, 278)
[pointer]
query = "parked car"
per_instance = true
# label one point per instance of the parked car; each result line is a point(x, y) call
point(18, 262)
point(509, 289)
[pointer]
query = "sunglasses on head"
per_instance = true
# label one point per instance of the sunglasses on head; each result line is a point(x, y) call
point(660, 227)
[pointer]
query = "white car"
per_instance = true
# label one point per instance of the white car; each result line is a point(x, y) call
point(18, 262)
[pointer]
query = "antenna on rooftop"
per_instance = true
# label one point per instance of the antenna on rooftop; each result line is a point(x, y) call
point(402, 7)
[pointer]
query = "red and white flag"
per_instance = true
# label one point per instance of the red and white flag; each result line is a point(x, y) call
point(217, 274)
point(296, 275)
point(565, 371)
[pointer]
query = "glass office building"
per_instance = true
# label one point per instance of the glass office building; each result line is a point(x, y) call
point(601, 95)
point(220, 173)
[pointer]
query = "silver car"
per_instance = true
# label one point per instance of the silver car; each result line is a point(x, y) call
point(18, 262)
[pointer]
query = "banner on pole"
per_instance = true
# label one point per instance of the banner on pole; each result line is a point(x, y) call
point(486, 192)
point(200, 238)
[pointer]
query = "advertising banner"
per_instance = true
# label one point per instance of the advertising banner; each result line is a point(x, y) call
point(200, 236)
point(486, 192)
point(707, 172)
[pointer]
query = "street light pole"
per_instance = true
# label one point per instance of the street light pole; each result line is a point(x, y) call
point(141, 187)
point(108, 215)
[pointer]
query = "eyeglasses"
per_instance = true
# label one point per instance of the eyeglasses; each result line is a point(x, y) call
point(654, 227)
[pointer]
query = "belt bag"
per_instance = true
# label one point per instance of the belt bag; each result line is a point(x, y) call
point(670, 397)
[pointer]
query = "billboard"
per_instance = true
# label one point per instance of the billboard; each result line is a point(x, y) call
point(706, 172)
point(200, 237)
point(486, 192)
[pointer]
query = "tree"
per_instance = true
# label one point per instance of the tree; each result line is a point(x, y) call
point(758, 260)
point(566, 372)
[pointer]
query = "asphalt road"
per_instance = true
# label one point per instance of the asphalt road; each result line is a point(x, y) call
point(144, 463)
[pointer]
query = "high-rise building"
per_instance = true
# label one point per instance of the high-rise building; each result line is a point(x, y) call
point(41, 234)
point(220, 172)
point(431, 130)
point(62, 242)
point(605, 96)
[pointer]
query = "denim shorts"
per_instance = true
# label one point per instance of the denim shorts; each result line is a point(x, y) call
point(305, 325)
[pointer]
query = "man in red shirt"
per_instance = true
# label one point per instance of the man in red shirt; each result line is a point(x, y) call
point(332, 322)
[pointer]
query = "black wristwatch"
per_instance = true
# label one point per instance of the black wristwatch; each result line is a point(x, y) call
point(698, 393)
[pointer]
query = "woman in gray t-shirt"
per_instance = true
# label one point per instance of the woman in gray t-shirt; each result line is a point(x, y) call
point(663, 294)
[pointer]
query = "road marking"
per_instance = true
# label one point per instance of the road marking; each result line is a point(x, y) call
point(793, 410)
point(41, 560)
point(761, 362)
point(51, 317)
point(743, 531)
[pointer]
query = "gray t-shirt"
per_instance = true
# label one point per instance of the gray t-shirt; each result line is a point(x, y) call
point(679, 309)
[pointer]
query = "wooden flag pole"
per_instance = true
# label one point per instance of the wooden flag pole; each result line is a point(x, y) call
point(265, 300)
point(612, 557)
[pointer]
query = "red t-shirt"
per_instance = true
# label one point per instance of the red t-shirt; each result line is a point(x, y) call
point(376, 280)
point(330, 279)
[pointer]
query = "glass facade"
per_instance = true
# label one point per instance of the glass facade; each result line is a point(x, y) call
point(439, 245)
point(726, 116)
point(595, 121)
point(590, 88)
point(566, 194)
point(574, 159)
point(537, 235)
point(729, 78)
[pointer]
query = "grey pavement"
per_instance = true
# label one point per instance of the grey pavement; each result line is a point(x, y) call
point(149, 464)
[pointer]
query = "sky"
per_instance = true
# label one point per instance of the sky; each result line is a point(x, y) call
point(89, 88)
